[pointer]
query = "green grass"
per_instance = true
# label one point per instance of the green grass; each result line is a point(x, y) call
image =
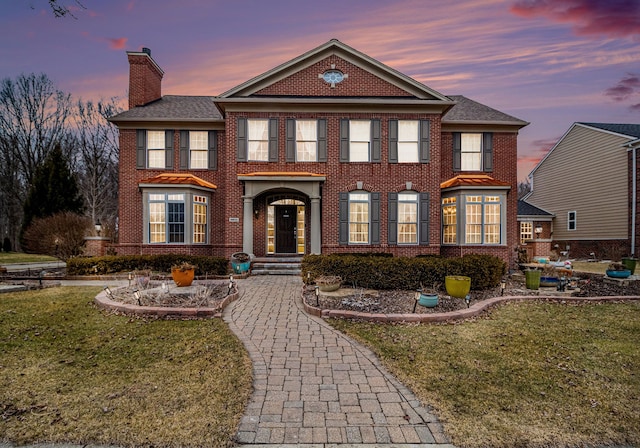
point(17, 257)
point(71, 373)
point(527, 375)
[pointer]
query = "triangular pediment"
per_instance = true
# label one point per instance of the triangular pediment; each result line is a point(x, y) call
point(362, 77)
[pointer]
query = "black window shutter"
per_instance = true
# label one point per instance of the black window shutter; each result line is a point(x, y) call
point(423, 231)
point(344, 140)
point(168, 145)
point(291, 140)
point(184, 150)
point(376, 147)
point(241, 155)
point(392, 213)
point(273, 139)
point(322, 140)
point(343, 218)
point(487, 151)
point(393, 141)
point(141, 149)
point(375, 218)
point(457, 151)
point(213, 150)
point(425, 141)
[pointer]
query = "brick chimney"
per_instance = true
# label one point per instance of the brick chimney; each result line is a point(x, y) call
point(145, 78)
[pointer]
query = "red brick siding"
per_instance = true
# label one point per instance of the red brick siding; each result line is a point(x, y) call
point(358, 83)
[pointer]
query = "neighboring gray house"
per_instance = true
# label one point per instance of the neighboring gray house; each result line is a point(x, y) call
point(589, 182)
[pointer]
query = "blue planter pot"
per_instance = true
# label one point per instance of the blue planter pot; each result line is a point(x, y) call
point(428, 300)
point(549, 281)
point(618, 274)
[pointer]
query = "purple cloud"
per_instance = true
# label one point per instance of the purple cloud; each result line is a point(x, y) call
point(614, 18)
point(626, 88)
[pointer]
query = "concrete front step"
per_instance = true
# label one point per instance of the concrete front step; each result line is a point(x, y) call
point(276, 266)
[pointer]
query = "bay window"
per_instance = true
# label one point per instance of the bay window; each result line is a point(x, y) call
point(167, 220)
point(482, 217)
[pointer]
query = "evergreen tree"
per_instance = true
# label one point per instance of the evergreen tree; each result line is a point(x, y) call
point(54, 189)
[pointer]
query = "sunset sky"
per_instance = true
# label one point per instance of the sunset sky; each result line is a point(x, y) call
point(548, 62)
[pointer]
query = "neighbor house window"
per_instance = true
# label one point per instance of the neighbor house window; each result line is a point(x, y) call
point(359, 140)
point(408, 218)
point(572, 220)
point(169, 222)
point(156, 155)
point(408, 138)
point(198, 149)
point(358, 218)
point(306, 140)
point(449, 221)
point(258, 140)
point(526, 231)
point(482, 217)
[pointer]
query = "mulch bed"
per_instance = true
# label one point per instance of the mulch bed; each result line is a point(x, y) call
point(402, 302)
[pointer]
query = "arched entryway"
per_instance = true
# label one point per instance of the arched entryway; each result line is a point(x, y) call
point(291, 206)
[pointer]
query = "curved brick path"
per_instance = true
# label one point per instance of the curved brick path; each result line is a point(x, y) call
point(312, 385)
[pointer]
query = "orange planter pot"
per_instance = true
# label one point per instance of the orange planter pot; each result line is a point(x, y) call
point(182, 278)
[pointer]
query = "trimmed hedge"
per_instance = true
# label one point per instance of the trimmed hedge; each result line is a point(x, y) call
point(486, 271)
point(111, 264)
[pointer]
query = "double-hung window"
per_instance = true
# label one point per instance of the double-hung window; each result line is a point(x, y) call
point(572, 220)
point(306, 140)
point(526, 231)
point(176, 218)
point(407, 218)
point(156, 149)
point(359, 140)
point(408, 138)
point(359, 218)
point(473, 151)
point(258, 140)
point(449, 221)
point(198, 149)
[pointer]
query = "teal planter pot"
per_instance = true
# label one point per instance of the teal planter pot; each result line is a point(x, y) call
point(618, 274)
point(428, 300)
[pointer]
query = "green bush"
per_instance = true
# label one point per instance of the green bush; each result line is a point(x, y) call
point(111, 264)
point(485, 271)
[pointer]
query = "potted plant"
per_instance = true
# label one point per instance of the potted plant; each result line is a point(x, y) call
point(630, 263)
point(328, 283)
point(457, 285)
point(183, 273)
point(427, 297)
point(240, 262)
point(549, 277)
point(617, 270)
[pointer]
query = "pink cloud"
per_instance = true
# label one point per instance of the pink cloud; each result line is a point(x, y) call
point(614, 18)
point(117, 44)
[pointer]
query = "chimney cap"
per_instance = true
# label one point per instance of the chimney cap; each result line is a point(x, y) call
point(146, 50)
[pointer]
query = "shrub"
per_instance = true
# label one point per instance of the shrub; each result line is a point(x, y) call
point(485, 271)
point(60, 235)
point(111, 264)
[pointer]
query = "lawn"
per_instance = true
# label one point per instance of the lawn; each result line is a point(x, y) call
point(526, 375)
point(17, 257)
point(71, 373)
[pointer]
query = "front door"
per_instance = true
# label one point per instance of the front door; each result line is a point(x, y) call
point(286, 231)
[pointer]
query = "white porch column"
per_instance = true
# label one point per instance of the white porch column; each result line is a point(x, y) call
point(247, 226)
point(316, 240)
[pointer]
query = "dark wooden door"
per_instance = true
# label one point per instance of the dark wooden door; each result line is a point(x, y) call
point(286, 235)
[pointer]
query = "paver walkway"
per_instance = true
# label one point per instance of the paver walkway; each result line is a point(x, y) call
point(313, 385)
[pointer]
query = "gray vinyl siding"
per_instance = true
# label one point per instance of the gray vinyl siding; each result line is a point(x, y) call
point(586, 173)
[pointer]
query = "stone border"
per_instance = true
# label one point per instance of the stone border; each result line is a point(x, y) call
point(475, 310)
point(102, 301)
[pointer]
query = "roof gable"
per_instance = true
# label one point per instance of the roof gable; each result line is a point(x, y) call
point(334, 55)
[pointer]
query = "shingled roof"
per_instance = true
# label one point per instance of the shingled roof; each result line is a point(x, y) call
point(526, 209)
point(630, 130)
point(467, 110)
point(174, 108)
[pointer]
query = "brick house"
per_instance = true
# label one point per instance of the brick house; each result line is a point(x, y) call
point(329, 152)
